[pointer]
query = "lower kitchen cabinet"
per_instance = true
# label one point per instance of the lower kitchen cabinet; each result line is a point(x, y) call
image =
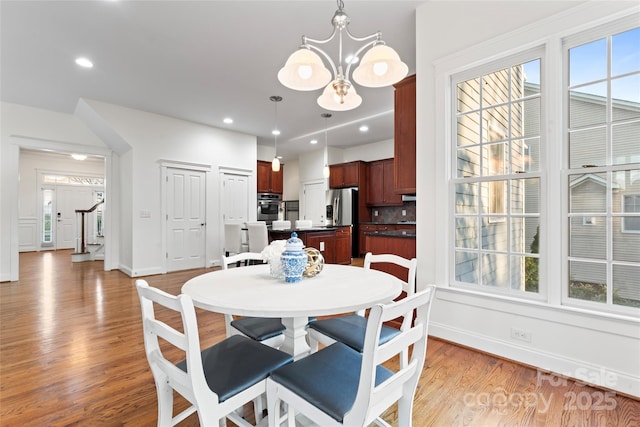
point(343, 245)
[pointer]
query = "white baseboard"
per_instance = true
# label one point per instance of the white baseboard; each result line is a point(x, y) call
point(585, 372)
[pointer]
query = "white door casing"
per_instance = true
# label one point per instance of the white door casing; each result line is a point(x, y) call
point(185, 218)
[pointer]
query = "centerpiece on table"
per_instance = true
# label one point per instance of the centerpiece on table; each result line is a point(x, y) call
point(294, 259)
point(273, 254)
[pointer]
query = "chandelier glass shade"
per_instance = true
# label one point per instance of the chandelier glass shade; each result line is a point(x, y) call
point(305, 70)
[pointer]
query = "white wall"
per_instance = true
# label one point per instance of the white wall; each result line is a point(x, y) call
point(600, 349)
point(370, 152)
point(291, 180)
point(155, 138)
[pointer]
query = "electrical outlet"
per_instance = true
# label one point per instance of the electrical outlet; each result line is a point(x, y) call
point(375, 212)
point(404, 212)
point(321, 246)
point(520, 334)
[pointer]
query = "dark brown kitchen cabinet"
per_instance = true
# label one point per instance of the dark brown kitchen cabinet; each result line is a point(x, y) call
point(380, 190)
point(269, 181)
point(405, 136)
point(344, 175)
point(343, 245)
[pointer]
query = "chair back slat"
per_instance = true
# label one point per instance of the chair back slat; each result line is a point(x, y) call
point(406, 376)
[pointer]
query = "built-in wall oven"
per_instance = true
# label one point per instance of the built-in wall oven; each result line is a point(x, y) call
point(268, 207)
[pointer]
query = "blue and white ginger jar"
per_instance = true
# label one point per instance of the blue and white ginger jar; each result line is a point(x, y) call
point(294, 259)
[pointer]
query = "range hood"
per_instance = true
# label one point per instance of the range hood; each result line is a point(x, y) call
point(408, 197)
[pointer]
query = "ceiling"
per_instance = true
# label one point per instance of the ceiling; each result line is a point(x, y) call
point(199, 61)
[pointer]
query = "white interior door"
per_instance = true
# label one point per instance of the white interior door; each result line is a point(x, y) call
point(235, 202)
point(68, 199)
point(185, 219)
point(314, 199)
point(235, 198)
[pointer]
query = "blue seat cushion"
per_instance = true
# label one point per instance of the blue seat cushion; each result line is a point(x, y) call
point(350, 330)
point(328, 378)
point(259, 328)
point(237, 363)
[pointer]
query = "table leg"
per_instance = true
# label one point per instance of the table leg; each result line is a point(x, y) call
point(295, 336)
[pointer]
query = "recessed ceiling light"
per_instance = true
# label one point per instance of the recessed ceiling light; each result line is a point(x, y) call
point(84, 62)
point(228, 120)
point(275, 132)
point(79, 156)
point(364, 128)
point(313, 141)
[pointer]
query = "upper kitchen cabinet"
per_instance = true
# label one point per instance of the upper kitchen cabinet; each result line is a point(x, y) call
point(380, 189)
point(344, 175)
point(405, 136)
point(269, 181)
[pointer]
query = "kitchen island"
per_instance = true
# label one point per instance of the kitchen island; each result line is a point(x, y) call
point(334, 243)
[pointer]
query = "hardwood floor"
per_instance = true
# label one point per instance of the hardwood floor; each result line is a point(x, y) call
point(71, 353)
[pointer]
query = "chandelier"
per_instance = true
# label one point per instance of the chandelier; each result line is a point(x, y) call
point(304, 70)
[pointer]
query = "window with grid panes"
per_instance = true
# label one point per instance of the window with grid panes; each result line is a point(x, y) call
point(496, 181)
point(603, 178)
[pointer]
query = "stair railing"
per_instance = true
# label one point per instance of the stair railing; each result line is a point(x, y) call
point(83, 212)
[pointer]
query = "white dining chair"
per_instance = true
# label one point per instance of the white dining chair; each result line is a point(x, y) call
point(267, 330)
point(339, 386)
point(303, 223)
point(233, 239)
point(212, 380)
point(281, 225)
point(350, 329)
point(258, 236)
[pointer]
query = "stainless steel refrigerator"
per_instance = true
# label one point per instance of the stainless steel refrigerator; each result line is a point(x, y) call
point(342, 210)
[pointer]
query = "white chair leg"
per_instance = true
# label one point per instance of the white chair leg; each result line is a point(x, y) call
point(273, 404)
point(258, 407)
point(291, 417)
point(405, 407)
point(165, 404)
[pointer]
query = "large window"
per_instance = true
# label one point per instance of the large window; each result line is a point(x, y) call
point(603, 147)
point(496, 185)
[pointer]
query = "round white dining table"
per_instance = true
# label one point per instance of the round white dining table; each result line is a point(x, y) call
point(251, 291)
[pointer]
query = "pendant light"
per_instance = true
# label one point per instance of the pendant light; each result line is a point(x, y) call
point(326, 171)
point(275, 163)
point(305, 70)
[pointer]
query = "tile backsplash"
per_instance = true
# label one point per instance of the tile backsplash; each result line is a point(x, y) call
point(391, 214)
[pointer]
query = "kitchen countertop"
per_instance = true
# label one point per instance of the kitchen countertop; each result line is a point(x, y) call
point(303, 230)
point(392, 233)
point(389, 223)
